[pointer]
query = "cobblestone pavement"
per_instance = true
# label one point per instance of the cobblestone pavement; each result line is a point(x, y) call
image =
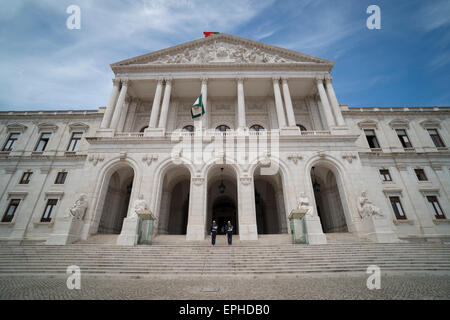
point(403, 286)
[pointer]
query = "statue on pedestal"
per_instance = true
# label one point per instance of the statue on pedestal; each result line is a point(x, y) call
point(139, 205)
point(78, 210)
point(366, 208)
point(303, 203)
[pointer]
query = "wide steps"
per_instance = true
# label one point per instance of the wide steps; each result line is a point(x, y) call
point(201, 259)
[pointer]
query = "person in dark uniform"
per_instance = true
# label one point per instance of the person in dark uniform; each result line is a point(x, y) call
point(229, 231)
point(214, 228)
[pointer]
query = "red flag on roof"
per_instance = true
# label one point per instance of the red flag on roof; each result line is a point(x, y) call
point(207, 34)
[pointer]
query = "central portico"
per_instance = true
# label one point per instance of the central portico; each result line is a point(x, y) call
point(272, 131)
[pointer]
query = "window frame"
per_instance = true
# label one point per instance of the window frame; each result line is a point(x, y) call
point(301, 127)
point(10, 138)
point(374, 138)
point(257, 128)
point(416, 170)
point(433, 205)
point(438, 137)
point(51, 212)
point(395, 209)
point(27, 175)
point(77, 141)
point(383, 175)
point(185, 128)
point(405, 144)
point(8, 209)
point(222, 125)
point(46, 141)
point(62, 174)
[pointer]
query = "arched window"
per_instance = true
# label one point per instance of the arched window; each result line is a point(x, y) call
point(223, 128)
point(143, 129)
point(256, 127)
point(302, 128)
point(188, 128)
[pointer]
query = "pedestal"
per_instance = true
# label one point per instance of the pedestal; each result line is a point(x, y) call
point(67, 230)
point(298, 226)
point(378, 229)
point(145, 227)
point(128, 235)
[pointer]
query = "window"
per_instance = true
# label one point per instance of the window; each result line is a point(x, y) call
point(26, 177)
point(43, 141)
point(223, 128)
point(60, 177)
point(434, 203)
point(397, 207)
point(143, 129)
point(372, 139)
point(12, 207)
point(302, 128)
point(49, 209)
point(256, 127)
point(436, 138)
point(75, 141)
point(385, 175)
point(420, 173)
point(13, 137)
point(188, 128)
point(401, 133)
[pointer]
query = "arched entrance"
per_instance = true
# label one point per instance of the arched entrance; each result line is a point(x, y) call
point(174, 204)
point(116, 201)
point(222, 200)
point(328, 198)
point(269, 204)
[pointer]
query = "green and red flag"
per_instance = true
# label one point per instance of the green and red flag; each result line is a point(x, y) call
point(197, 109)
point(207, 33)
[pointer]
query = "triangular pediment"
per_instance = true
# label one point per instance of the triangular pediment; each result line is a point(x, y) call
point(223, 49)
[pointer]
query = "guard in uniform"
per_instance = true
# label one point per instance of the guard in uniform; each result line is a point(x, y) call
point(229, 231)
point(214, 228)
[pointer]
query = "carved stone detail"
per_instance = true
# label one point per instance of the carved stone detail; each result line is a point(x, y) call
point(149, 158)
point(294, 157)
point(198, 181)
point(95, 158)
point(349, 157)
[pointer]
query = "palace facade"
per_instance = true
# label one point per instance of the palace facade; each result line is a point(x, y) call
point(273, 139)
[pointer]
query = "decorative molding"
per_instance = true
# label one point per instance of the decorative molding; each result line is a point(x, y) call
point(78, 126)
point(349, 157)
point(399, 124)
point(53, 195)
point(427, 191)
point(198, 181)
point(16, 127)
point(246, 180)
point(392, 191)
point(367, 124)
point(294, 157)
point(430, 124)
point(17, 194)
point(95, 158)
point(47, 126)
point(122, 156)
point(149, 158)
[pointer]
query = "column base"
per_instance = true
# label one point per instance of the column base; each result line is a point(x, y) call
point(248, 232)
point(195, 233)
point(154, 132)
point(128, 236)
point(314, 230)
point(290, 131)
point(105, 133)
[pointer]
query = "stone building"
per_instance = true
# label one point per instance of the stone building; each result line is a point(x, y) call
point(273, 138)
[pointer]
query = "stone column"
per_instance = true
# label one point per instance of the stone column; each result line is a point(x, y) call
point(156, 105)
point(123, 116)
point(334, 103)
point(241, 103)
point(278, 102)
point(246, 209)
point(119, 105)
point(325, 104)
point(197, 209)
point(111, 105)
point(204, 92)
point(163, 219)
point(165, 104)
point(288, 103)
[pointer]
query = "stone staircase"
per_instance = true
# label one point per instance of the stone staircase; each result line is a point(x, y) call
point(202, 259)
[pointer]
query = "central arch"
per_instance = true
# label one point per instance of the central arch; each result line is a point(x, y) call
point(222, 197)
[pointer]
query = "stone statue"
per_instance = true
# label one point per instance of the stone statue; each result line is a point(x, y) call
point(139, 205)
point(303, 203)
point(366, 208)
point(79, 208)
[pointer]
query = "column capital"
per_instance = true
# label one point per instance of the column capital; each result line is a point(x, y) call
point(240, 79)
point(168, 79)
point(125, 82)
point(285, 79)
point(275, 79)
point(319, 79)
point(160, 80)
point(328, 78)
point(204, 79)
point(116, 82)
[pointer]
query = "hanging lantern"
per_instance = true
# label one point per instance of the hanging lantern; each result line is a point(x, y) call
point(221, 186)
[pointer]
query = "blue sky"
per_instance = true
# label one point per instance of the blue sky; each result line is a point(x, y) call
point(44, 65)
